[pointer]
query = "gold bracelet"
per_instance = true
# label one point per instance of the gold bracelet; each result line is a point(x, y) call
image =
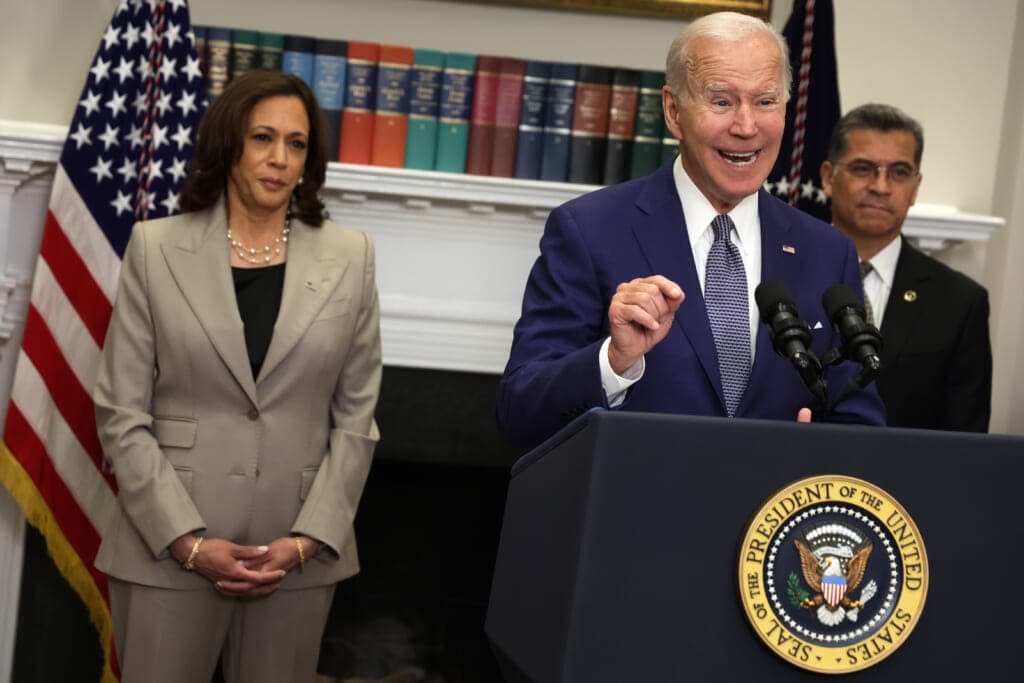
point(190, 563)
point(302, 554)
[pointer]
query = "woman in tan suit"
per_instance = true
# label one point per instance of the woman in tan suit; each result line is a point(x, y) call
point(235, 403)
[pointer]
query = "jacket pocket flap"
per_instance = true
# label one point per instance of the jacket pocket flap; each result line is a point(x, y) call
point(174, 432)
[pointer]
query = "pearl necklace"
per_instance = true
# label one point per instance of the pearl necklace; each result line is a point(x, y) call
point(258, 255)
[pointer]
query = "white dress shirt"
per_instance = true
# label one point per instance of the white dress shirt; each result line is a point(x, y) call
point(698, 213)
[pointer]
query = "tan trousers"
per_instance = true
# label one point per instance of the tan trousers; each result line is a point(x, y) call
point(175, 636)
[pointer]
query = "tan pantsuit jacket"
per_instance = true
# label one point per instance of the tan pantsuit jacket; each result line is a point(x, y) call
point(195, 442)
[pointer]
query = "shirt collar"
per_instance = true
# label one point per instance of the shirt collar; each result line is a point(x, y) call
point(884, 262)
point(698, 212)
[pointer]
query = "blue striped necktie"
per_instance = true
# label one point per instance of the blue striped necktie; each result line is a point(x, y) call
point(725, 295)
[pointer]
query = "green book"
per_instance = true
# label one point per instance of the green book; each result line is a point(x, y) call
point(243, 51)
point(269, 49)
point(424, 104)
point(650, 126)
point(456, 101)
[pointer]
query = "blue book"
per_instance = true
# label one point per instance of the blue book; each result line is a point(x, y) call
point(554, 163)
point(531, 120)
point(329, 87)
point(299, 52)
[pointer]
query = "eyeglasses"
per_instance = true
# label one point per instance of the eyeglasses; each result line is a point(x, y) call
point(898, 172)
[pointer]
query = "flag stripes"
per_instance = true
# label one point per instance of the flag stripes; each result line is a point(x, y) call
point(118, 165)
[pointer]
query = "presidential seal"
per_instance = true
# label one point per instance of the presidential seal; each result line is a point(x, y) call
point(833, 574)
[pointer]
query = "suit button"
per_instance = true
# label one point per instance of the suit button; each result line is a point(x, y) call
point(254, 413)
point(257, 471)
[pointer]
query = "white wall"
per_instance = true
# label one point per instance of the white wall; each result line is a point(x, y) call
point(946, 62)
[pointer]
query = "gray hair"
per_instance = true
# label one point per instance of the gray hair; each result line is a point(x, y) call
point(727, 26)
point(874, 116)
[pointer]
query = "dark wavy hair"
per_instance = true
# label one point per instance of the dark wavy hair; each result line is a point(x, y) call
point(222, 138)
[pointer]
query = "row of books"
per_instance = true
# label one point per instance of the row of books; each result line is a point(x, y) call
point(396, 106)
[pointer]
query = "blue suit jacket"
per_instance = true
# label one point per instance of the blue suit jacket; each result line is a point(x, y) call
point(636, 229)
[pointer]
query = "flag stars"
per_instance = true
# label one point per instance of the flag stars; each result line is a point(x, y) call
point(110, 37)
point(131, 34)
point(143, 67)
point(135, 136)
point(122, 203)
point(192, 69)
point(171, 203)
point(109, 137)
point(81, 136)
point(187, 103)
point(168, 69)
point(116, 104)
point(148, 35)
point(127, 171)
point(91, 103)
point(123, 70)
point(159, 135)
point(140, 103)
point(155, 169)
point(177, 169)
point(782, 187)
point(100, 70)
point(183, 136)
point(101, 169)
point(177, 4)
point(173, 34)
point(807, 190)
point(163, 102)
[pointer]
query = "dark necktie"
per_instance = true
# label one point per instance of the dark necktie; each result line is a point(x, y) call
point(865, 268)
point(725, 293)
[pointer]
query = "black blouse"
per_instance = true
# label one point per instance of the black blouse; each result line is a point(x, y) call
point(258, 291)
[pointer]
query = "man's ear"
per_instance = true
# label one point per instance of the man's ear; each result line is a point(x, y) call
point(826, 177)
point(671, 108)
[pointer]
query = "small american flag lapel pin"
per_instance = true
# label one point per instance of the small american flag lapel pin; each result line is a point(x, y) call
point(788, 249)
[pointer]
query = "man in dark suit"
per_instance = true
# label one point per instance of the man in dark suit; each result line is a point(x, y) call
point(936, 357)
point(642, 298)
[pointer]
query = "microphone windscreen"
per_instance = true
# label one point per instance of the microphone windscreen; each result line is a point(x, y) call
point(838, 297)
point(769, 294)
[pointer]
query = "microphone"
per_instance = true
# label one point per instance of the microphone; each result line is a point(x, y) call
point(790, 335)
point(861, 340)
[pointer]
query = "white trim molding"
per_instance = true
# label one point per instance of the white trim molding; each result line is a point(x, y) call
point(453, 250)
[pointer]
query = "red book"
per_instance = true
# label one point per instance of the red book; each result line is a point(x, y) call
point(391, 127)
point(506, 116)
point(590, 125)
point(481, 118)
point(357, 116)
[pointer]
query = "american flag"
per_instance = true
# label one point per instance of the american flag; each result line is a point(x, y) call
point(123, 161)
point(813, 108)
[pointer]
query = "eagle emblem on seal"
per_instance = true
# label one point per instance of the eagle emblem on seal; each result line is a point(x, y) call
point(833, 558)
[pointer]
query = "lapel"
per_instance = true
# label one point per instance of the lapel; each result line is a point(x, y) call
point(776, 233)
point(312, 274)
point(900, 315)
point(199, 263)
point(661, 233)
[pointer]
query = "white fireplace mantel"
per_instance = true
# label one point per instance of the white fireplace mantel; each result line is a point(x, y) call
point(453, 251)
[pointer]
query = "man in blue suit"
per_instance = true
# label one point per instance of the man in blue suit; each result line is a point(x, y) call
point(615, 311)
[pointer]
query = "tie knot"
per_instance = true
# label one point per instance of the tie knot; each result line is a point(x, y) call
point(722, 226)
point(865, 268)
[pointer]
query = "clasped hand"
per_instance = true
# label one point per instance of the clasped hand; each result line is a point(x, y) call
point(243, 570)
